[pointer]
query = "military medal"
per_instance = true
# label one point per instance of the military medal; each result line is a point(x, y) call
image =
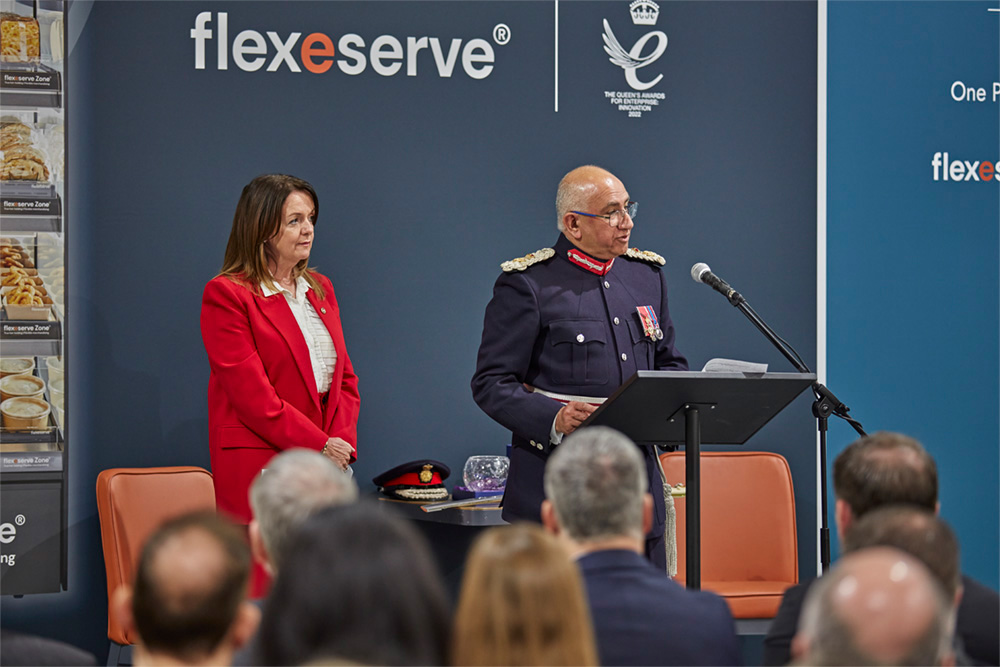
point(649, 322)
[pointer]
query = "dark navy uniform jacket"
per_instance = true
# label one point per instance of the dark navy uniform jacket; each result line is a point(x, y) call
point(564, 329)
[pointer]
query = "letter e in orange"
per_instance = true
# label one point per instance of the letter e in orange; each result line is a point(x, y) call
point(309, 52)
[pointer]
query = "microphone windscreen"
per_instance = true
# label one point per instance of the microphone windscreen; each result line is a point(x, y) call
point(698, 270)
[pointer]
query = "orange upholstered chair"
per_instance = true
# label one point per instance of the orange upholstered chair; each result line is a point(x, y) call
point(749, 552)
point(131, 504)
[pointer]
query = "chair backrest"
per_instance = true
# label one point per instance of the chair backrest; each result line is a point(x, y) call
point(134, 502)
point(747, 517)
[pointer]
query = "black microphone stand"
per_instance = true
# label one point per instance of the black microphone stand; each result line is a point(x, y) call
point(826, 404)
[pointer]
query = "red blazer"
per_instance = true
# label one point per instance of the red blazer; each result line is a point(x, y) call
point(262, 395)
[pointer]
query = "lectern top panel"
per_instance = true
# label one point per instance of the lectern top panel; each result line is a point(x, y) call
point(649, 407)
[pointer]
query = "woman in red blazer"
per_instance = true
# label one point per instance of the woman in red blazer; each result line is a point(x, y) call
point(271, 327)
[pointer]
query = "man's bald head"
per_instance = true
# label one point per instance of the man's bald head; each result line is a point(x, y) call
point(585, 200)
point(191, 580)
point(578, 186)
point(878, 606)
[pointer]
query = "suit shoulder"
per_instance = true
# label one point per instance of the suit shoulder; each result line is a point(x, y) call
point(322, 279)
point(645, 256)
point(532, 258)
point(231, 285)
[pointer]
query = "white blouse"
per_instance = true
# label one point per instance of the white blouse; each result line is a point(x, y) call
point(322, 354)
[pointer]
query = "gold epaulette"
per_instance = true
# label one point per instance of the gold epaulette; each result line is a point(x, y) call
point(646, 256)
point(521, 263)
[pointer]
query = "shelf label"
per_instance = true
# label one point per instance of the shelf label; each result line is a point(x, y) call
point(22, 329)
point(31, 80)
point(30, 461)
point(30, 206)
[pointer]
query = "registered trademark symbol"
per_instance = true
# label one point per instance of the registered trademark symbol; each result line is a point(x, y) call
point(19, 519)
point(501, 34)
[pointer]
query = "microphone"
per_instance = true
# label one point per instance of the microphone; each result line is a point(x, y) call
point(701, 273)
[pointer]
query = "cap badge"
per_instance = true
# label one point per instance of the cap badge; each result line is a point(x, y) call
point(426, 475)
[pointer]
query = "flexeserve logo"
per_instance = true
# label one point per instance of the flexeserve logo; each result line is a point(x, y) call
point(352, 54)
point(946, 168)
point(646, 51)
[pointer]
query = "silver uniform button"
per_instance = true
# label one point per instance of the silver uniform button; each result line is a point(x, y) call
point(579, 338)
point(617, 321)
point(532, 443)
point(322, 310)
point(607, 285)
point(539, 445)
point(624, 357)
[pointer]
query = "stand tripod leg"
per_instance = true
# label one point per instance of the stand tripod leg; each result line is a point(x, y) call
point(824, 530)
point(692, 472)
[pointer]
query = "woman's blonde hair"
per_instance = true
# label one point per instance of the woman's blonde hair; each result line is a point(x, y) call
point(522, 603)
point(257, 220)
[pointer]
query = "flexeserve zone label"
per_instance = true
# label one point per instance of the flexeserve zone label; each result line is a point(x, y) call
point(387, 55)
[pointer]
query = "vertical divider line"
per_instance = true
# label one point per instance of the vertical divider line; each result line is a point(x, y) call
point(555, 81)
point(822, 23)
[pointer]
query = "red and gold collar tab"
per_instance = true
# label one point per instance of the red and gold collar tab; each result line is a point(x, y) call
point(587, 262)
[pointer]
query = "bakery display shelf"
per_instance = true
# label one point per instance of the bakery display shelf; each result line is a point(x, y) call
point(11, 438)
point(28, 206)
point(14, 224)
point(30, 85)
point(27, 338)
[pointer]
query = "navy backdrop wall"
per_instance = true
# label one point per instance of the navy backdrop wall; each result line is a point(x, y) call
point(426, 184)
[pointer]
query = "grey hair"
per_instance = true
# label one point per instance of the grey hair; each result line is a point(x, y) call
point(296, 484)
point(831, 639)
point(570, 196)
point(596, 481)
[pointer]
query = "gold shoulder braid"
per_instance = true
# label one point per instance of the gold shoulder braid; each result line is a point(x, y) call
point(646, 256)
point(521, 263)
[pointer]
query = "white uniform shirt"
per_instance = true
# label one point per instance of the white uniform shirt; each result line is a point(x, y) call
point(322, 354)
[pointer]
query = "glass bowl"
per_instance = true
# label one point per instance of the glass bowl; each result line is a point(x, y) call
point(486, 473)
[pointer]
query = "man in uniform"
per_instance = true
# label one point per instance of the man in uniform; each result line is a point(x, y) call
point(566, 327)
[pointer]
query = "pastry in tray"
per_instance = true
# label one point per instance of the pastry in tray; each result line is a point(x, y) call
point(11, 139)
point(26, 295)
point(14, 277)
point(20, 152)
point(23, 169)
point(19, 261)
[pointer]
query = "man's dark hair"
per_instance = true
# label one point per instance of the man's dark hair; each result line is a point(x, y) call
point(918, 532)
point(181, 617)
point(885, 469)
point(358, 585)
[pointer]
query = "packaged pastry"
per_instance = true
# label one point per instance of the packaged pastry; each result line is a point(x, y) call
point(9, 139)
point(23, 169)
point(19, 38)
point(22, 152)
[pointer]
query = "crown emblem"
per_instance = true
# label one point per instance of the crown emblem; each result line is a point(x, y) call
point(644, 12)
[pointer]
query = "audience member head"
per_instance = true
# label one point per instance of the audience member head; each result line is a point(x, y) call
point(295, 484)
point(916, 531)
point(595, 487)
point(188, 603)
point(357, 584)
point(522, 602)
point(882, 469)
point(877, 606)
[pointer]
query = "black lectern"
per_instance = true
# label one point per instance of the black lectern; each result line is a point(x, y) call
point(684, 407)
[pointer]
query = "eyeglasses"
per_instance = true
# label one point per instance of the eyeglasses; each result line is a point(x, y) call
point(615, 218)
